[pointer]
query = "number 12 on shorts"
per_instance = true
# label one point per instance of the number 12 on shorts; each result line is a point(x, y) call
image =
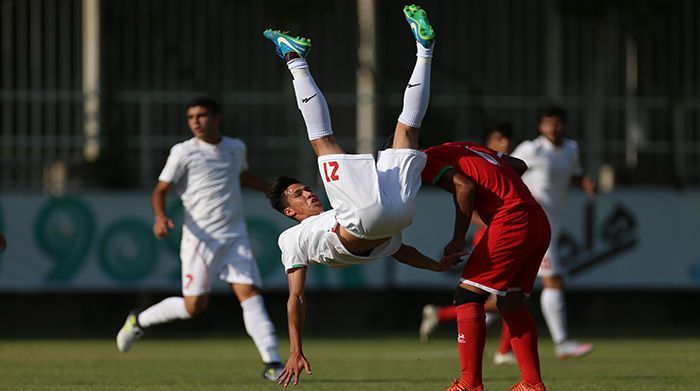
point(333, 174)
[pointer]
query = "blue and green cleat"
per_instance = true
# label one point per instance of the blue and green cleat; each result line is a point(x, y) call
point(420, 26)
point(285, 43)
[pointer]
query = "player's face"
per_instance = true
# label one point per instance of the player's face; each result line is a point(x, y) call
point(203, 124)
point(301, 202)
point(498, 142)
point(552, 128)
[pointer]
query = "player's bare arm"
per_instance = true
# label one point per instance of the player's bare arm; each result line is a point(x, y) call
point(463, 191)
point(162, 222)
point(518, 165)
point(296, 317)
point(586, 184)
point(357, 245)
point(477, 221)
point(253, 181)
point(412, 257)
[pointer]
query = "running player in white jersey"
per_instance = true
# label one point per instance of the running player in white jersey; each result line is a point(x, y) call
point(207, 172)
point(553, 165)
point(372, 200)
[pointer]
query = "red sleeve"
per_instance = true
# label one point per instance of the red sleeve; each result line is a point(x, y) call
point(435, 168)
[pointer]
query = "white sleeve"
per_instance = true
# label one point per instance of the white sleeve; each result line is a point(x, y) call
point(524, 151)
point(293, 256)
point(244, 157)
point(174, 167)
point(577, 169)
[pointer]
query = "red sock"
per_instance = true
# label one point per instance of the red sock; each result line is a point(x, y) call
point(504, 346)
point(523, 339)
point(471, 337)
point(447, 314)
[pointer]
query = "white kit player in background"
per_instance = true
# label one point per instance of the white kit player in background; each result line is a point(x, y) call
point(553, 166)
point(372, 200)
point(207, 172)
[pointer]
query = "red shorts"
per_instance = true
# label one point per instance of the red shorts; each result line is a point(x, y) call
point(509, 253)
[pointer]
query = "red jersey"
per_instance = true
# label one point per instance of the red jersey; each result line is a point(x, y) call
point(499, 188)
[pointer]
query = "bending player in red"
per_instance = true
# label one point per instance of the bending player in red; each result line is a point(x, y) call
point(504, 262)
point(498, 138)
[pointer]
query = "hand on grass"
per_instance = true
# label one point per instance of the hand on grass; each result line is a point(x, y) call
point(296, 363)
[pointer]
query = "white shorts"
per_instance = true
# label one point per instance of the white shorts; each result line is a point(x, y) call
point(373, 200)
point(230, 260)
point(551, 263)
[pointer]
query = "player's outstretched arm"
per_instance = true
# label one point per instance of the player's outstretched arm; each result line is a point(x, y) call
point(296, 317)
point(463, 191)
point(410, 256)
point(162, 223)
point(254, 182)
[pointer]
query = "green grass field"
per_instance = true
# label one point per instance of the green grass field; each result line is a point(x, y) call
point(338, 364)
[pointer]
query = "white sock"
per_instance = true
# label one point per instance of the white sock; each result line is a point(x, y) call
point(417, 93)
point(310, 100)
point(299, 68)
point(260, 328)
point(170, 309)
point(424, 52)
point(554, 312)
point(491, 318)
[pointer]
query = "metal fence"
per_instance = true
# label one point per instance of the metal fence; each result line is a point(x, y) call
point(626, 71)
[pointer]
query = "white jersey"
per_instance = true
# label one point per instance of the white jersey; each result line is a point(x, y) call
point(549, 172)
point(371, 200)
point(315, 240)
point(207, 179)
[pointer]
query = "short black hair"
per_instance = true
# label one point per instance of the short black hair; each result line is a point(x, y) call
point(504, 127)
point(554, 111)
point(275, 193)
point(209, 103)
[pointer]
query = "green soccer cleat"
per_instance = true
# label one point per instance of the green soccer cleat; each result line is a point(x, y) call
point(129, 333)
point(420, 26)
point(285, 43)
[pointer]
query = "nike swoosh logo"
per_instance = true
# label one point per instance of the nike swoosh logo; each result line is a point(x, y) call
point(282, 40)
point(413, 85)
point(304, 100)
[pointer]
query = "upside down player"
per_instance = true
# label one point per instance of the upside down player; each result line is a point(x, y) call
point(372, 201)
point(504, 262)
